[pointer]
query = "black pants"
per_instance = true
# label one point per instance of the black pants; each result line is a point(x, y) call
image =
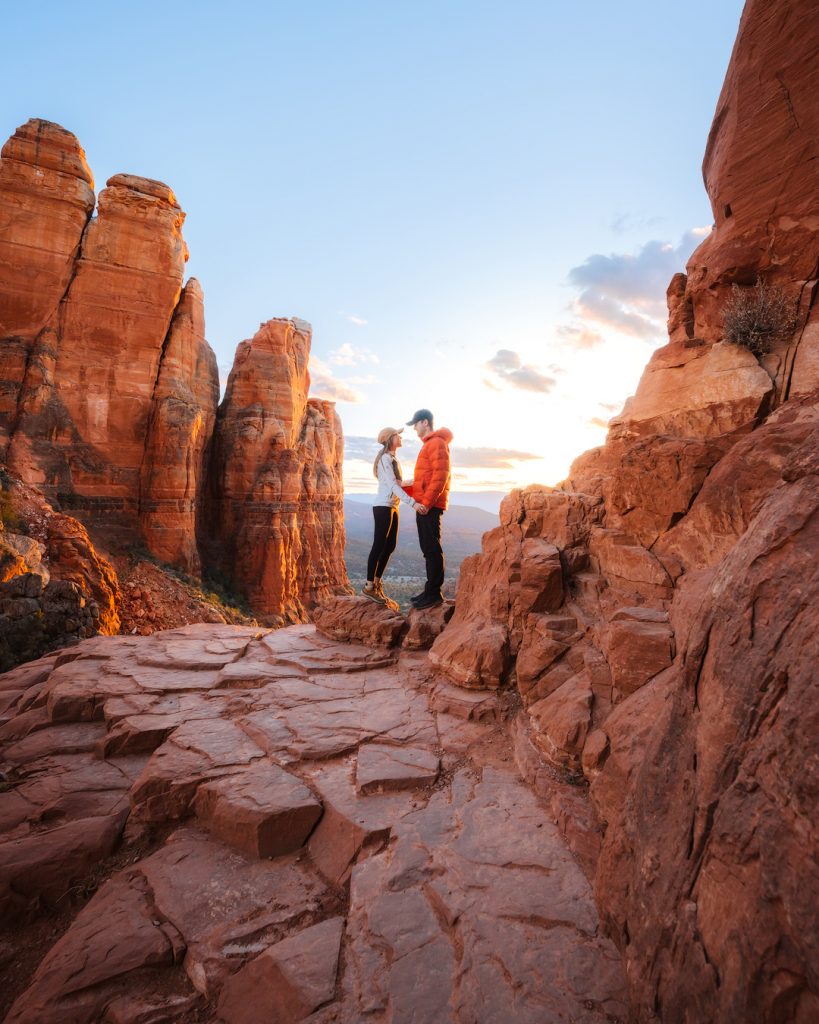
point(384, 541)
point(429, 537)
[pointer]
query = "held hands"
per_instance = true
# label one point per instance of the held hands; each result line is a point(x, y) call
point(421, 509)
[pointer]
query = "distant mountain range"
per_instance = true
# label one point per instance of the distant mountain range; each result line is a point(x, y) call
point(489, 501)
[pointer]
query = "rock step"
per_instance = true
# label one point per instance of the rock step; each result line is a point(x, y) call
point(265, 811)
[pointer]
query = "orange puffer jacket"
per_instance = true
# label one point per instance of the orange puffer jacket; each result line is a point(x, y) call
point(430, 481)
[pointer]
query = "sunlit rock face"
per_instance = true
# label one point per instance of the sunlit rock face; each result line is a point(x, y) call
point(657, 611)
point(55, 588)
point(46, 200)
point(109, 390)
point(183, 412)
point(275, 523)
point(88, 392)
point(762, 176)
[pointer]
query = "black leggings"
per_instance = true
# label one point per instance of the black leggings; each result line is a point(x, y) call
point(386, 537)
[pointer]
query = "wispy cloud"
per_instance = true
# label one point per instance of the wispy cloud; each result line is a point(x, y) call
point(351, 355)
point(624, 293)
point(489, 458)
point(324, 384)
point(508, 368)
point(358, 321)
point(631, 222)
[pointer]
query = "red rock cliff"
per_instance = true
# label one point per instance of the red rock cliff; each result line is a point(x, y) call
point(657, 611)
point(109, 387)
point(109, 390)
point(46, 200)
point(183, 412)
point(276, 527)
point(761, 171)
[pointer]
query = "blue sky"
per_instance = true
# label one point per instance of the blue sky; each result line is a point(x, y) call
point(477, 205)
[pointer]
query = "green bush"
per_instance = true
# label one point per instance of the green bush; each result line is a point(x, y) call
point(758, 317)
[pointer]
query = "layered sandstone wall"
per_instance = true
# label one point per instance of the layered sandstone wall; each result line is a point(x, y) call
point(656, 612)
point(109, 389)
point(46, 201)
point(183, 412)
point(275, 492)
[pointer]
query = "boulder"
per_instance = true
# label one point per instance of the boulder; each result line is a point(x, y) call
point(289, 980)
point(690, 389)
point(265, 811)
point(360, 620)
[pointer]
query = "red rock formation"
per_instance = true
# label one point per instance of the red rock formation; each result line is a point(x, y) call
point(55, 588)
point(46, 200)
point(182, 416)
point(276, 526)
point(358, 620)
point(762, 175)
point(708, 872)
point(463, 900)
point(656, 612)
point(108, 389)
point(87, 397)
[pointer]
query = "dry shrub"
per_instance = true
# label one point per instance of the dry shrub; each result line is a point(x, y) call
point(758, 317)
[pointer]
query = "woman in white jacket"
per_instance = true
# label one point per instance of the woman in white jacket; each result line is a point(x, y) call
point(391, 490)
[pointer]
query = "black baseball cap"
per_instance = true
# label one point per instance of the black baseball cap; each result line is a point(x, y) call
point(422, 414)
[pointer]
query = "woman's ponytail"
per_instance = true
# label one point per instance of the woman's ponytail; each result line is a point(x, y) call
point(378, 459)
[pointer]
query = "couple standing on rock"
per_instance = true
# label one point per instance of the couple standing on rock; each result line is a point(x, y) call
point(427, 493)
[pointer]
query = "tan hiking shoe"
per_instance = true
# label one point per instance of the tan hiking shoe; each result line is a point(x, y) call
point(371, 591)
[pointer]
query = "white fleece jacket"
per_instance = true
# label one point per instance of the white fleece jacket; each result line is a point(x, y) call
point(390, 491)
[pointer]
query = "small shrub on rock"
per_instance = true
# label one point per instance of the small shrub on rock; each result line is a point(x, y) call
point(758, 317)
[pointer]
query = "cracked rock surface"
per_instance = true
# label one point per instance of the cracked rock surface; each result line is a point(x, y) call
point(216, 822)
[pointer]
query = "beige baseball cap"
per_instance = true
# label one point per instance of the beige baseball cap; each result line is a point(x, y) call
point(385, 434)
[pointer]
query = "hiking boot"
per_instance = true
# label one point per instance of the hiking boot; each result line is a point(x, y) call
point(418, 597)
point(370, 591)
point(429, 602)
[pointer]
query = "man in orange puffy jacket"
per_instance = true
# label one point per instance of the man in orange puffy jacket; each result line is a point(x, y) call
point(430, 488)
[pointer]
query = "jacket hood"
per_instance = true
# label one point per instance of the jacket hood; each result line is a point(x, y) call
point(444, 433)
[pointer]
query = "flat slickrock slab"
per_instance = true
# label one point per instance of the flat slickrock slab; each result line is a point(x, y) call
point(118, 932)
point(288, 981)
point(228, 907)
point(477, 911)
point(44, 865)
point(75, 738)
point(265, 811)
point(306, 719)
point(305, 647)
point(381, 768)
point(465, 903)
point(194, 753)
point(140, 734)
